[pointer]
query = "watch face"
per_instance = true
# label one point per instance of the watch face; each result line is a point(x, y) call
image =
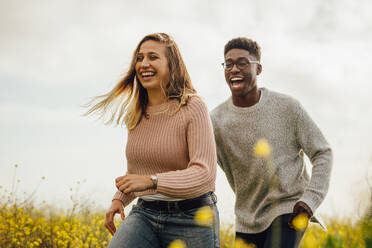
point(154, 180)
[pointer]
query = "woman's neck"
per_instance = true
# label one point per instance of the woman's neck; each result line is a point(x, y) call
point(156, 97)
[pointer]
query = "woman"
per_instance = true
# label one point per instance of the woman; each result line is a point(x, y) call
point(170, 151)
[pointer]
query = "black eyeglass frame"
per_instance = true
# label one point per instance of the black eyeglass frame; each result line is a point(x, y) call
point(243, 64)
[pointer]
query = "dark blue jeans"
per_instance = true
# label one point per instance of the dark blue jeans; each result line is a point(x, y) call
point(147, 228)
point(278, 235)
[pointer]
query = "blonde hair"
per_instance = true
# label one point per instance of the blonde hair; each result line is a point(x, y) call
point(128, 100)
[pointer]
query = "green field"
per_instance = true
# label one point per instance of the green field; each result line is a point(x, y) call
point(30, 226)
point(24, 223)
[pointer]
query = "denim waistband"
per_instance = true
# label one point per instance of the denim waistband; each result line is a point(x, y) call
point(184, 205)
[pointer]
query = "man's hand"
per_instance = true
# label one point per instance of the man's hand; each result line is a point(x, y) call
point(300, 208)
point(133, 183)
point(116, 208)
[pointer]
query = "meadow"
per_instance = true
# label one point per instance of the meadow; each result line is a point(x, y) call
point(24, 223)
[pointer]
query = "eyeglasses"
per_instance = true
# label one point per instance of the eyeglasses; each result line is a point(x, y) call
point(241, 64)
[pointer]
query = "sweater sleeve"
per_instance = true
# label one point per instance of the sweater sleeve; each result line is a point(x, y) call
point(319, 152)
point(200, 173)
point(124, 198)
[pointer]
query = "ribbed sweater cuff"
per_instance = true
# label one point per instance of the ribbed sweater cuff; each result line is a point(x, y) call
point(124, 198)
point(310, 200)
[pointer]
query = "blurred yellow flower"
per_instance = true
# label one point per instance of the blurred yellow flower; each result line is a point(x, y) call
point(16, 165)
point(310, 241)
point(240, 243)
point(43, 178)
point(177, 244)
point(262, 148)
point(204, 216)
point(300, 222)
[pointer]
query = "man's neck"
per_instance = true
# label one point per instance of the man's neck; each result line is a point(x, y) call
point(247, 100)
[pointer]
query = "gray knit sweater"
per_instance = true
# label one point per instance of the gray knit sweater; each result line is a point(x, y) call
point(282, 121)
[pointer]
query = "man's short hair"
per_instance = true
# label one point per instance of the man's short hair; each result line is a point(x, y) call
point(244, 43)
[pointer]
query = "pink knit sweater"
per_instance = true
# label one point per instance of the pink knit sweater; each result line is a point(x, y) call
point(178, 148)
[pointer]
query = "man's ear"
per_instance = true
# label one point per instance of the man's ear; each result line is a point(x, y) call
point(258, 69)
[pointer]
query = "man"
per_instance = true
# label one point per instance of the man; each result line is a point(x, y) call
point(261, 138)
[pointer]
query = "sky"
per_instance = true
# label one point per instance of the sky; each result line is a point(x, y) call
point(56, 55)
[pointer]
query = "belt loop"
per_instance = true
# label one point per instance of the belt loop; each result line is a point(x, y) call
point(158, 206)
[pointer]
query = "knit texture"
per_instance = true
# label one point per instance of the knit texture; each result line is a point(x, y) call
point(268, 187)
point(179, 148)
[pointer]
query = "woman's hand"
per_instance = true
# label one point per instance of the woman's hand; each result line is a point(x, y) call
point(116, 208)
point(133, 183)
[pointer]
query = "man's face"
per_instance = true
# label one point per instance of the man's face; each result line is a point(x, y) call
point(241, 71)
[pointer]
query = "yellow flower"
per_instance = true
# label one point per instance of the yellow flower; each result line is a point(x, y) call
point(262, 148)
point(310, 241)
point(177, 244)
point(16, 165)
point(300, 221)
point(240, 243)
point(204, 216)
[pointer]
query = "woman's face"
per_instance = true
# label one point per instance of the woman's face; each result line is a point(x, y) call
point(152, 65)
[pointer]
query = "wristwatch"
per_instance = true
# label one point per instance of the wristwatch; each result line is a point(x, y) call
point(154, 179)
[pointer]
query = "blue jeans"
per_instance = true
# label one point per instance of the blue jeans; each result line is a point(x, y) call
point(148, 228)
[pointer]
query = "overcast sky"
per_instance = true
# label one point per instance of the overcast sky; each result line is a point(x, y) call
point(56, 55)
